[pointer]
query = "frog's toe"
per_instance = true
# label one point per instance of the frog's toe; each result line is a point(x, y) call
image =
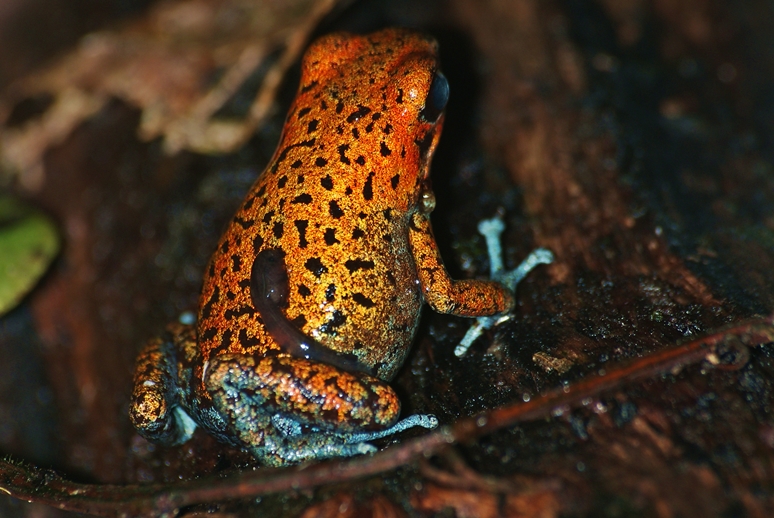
point(344, 450)
point(278, 450)
point(428, 421)
point(539, 256)
point(491, 229)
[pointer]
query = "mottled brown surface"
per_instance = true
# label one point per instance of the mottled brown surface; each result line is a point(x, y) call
point(631, 138)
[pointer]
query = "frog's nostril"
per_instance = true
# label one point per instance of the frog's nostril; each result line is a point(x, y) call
point(437, 97)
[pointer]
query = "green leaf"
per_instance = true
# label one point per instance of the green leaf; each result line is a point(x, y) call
point(28, 243)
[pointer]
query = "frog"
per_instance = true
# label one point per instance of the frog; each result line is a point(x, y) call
point(312, 298)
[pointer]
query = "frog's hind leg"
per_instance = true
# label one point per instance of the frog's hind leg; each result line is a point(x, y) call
point(286, 410)
point(156, 410)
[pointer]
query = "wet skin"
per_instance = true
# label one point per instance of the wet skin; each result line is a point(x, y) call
point(312, 298)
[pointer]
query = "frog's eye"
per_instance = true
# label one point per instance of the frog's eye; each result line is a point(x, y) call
point(437, 97)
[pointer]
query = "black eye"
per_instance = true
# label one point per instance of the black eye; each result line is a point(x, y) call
point(437, 97)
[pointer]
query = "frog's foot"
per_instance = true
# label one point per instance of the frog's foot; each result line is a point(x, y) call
point(155, 410)
point(491, 229)
point(291, 428)
point(310, 447)
point(297, 446)
point(286, 410)
point(279, 441)
point(428, 421)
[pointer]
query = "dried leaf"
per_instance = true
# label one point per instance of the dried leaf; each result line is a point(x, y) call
point(179, 65)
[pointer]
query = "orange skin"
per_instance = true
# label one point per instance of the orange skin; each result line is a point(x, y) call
point(345, 202)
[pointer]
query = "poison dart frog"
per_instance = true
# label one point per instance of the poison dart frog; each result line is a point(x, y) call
point(311, 300)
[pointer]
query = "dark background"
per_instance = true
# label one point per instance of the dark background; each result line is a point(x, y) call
point(633, 138)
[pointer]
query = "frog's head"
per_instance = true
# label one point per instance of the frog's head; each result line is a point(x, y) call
point(379, 100)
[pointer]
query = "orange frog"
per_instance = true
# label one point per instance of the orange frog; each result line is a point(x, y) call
point(312, 298)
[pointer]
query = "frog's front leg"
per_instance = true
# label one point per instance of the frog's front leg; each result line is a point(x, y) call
point(286, 410)
point(472, 298)
point(491, 229)
point(467, 298)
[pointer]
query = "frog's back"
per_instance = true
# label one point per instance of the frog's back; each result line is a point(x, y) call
point(336, 198)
